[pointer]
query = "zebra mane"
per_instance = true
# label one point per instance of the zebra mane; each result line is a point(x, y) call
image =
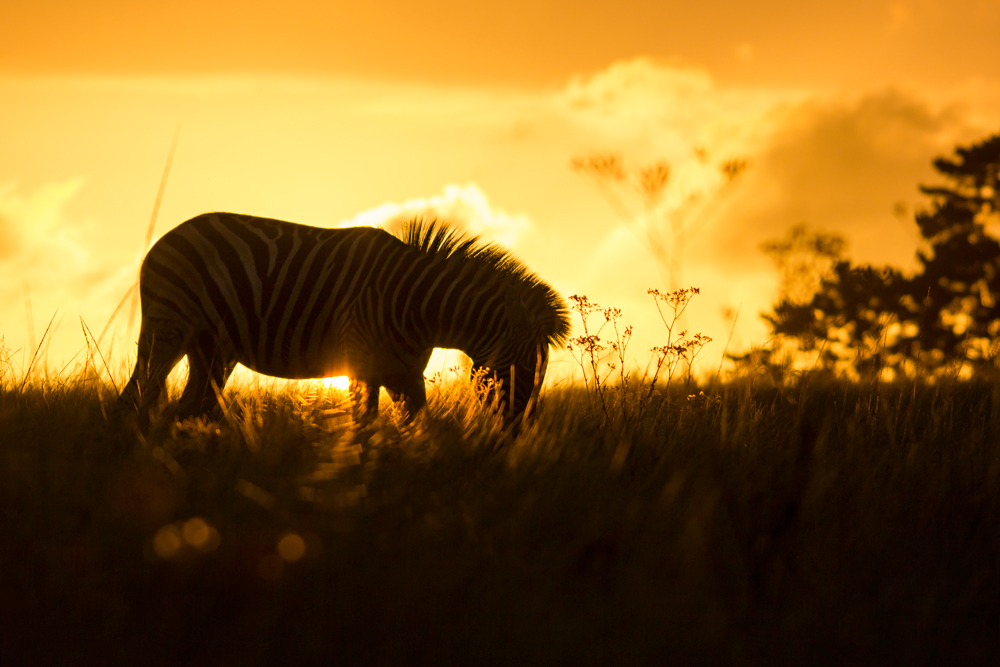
point(437, 238)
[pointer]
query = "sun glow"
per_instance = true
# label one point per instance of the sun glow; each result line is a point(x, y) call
point(341, 382)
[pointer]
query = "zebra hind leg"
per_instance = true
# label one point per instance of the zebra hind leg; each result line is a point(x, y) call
point(207, 376)
point(159, 350)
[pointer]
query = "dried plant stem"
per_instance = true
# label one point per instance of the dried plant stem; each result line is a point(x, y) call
point(152, 223)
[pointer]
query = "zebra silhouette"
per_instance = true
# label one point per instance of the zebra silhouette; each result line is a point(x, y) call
point(294, 301)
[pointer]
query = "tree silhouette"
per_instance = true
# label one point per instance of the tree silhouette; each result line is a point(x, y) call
point(945, 317)
point(803, 258)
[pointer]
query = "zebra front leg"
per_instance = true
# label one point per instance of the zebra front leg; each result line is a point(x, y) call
point(158, 353)
point(206, 379)
point(409, 391)
point(140, 399)
point(364, 402)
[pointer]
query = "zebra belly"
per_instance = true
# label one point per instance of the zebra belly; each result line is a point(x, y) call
point(301, 372)
point(385, 371)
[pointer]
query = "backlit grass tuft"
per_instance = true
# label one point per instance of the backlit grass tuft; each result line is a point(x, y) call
point(809, 521)
point(827, 523)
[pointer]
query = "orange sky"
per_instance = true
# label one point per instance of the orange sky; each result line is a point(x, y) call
point(473, 111)
point(515, 42)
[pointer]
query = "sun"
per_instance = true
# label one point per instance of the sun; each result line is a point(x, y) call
point(341, 382)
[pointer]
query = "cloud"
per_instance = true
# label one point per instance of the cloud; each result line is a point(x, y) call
point(648, 111)
point(28, 221)
point(465, 207)
point(35, 239)
point(57, 260)
point(639, 83)
point(320, 150)
point(839, 161)
point(672, 108)
point(843, 165)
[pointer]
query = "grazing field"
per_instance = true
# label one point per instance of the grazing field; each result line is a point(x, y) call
point(820, 523)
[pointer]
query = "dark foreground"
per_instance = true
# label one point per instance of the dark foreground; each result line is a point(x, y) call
point(826, 525)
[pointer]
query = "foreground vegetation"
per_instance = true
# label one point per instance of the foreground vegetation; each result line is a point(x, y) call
point(825, 523)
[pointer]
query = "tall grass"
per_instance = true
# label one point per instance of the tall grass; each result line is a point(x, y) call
point(817, 522)
point(638, 519)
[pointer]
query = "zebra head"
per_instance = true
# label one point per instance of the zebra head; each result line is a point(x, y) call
point(506, 314)
point(514, 377)
point(536, 319)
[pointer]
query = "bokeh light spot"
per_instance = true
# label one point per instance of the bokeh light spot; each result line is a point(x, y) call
point(292, 547)
point(167, 542)
point(195, 531)
point(199, 534)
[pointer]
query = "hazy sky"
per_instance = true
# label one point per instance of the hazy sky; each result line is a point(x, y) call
point(474, 111)
point(515, 42)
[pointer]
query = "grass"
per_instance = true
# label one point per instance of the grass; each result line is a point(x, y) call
point(825, 523)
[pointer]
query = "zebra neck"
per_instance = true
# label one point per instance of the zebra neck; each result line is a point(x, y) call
point(466, 316)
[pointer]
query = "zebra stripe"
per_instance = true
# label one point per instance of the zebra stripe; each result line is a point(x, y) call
point(295, 301)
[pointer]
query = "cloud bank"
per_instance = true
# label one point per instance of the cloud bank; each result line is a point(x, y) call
point(498, 164)
point(465, 207)
point(840, 161)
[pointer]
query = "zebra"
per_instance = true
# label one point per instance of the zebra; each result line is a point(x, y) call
point(295, 301)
